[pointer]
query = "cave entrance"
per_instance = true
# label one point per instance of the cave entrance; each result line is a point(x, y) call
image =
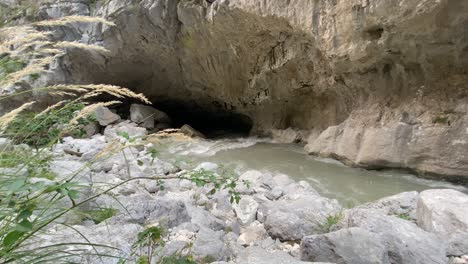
point(212, 122)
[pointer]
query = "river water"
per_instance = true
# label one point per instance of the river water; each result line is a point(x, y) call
point(350, 186)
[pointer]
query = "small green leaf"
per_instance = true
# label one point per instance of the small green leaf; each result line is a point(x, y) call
point(212, 192)
point(25, 214)
point(11, 238)
point(140, 163)
point(123, 134)
point(24, 226)
point(73, 194)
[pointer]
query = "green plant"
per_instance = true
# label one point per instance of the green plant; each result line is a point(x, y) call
point(99, 215)
point(147, 242)
point(10, 65)
point(177, 260)
point(222, 179)
point(40, 130)
point(404, 216)
point(330, 222)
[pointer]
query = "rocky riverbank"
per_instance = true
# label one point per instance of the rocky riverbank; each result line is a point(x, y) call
point(276, 220)
point(375, 84)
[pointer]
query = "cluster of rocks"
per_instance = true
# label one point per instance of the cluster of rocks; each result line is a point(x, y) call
point(143, 119)
point(277, 220)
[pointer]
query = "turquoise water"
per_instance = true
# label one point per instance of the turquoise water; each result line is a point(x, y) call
point(350, 186)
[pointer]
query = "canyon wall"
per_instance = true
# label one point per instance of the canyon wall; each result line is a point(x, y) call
point(376, 84)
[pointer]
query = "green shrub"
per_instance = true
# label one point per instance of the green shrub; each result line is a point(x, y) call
point(330, 222)
point(99, 215)
point(41, 130)
point(9, 65)
point(404, 216)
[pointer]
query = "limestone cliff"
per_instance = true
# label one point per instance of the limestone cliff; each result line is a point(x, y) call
point(376, 83)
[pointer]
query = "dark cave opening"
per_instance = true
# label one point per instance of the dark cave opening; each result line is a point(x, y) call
point(212, 122)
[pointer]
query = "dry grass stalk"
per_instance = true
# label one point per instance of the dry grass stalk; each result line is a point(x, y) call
point(87, 110)
point(52, 107)
point(7, 118)
point(89, 47)
point(116, 91)
point(73, 19)
point(34, 67)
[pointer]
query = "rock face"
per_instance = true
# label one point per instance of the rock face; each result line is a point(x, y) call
point(377, 83)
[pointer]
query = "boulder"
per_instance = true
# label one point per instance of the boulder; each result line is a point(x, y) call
point(405, 241)
point(147, 116)
point(143, 209)
point(351, 245)
point(274, 194)
point(191, 132)
point(445, 213)
point(203, 218)
point(209, 246)
point(402, 204)
point(105, 116)
point(294, 216)
point(91, 129)
point(246, 210)
point(131, 129)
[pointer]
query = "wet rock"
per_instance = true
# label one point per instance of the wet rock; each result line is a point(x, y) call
point(405, 241)
point(445, 213)
point(402, 204)
point(208, 166)
point(246, 210)
point(105, 116)
point(352, 245)
point(191, 132)
point(147, 116)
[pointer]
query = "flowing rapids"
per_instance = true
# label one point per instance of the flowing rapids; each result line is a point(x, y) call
point(350, 186)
